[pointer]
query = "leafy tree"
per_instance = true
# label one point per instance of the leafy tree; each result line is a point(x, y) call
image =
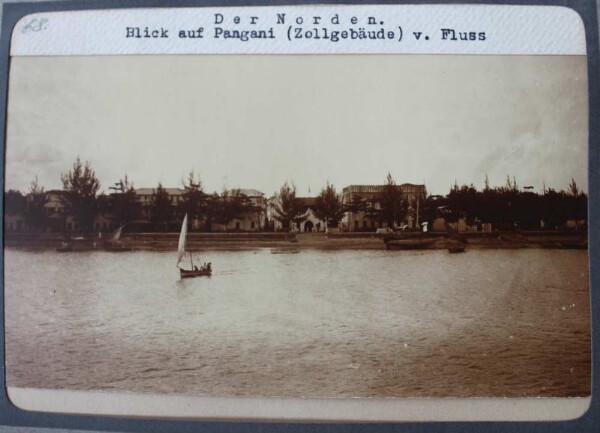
point(328, 206)
point(527, 211)
point(507, 208)
point(573, 189)
point(231, 204)
point(104, 204)
point(394, 207)
point(124, 202)
point(577, 202)
point(212, 210)
point(554, 212)
point(194, 200)
point(462, 203)
point(162, 208)
point(35, 211)
point(14, 202)
point(372, 211)
point(287, 208)
point(80, 186)
point(431, 207)
point(356, 204)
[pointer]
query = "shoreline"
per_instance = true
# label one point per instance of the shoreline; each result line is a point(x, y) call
point(293, 241)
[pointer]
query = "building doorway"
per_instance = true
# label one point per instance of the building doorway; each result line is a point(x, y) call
point(308, 226)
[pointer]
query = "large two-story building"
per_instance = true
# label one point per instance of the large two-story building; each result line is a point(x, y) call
point(370, 196)
point(144, 198)
point(254, 219)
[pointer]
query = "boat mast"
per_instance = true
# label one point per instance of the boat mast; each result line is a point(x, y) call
point(418, 203)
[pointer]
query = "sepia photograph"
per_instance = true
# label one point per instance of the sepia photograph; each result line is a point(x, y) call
point(313, 226)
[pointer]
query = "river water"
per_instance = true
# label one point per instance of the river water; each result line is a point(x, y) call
point(306, 323)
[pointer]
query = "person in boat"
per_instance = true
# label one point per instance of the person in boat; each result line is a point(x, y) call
point(195, 268)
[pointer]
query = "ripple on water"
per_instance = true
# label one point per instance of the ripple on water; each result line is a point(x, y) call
point(312, 323)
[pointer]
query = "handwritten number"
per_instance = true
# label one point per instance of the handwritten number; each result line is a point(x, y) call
point(35, 25)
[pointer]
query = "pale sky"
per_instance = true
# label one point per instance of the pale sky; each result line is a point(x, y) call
point(256, 121)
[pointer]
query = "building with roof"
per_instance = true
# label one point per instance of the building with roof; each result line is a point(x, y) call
point(254, 219)
point(310, 223)
point(363, 218)
point(55, 211)
point(144, 197)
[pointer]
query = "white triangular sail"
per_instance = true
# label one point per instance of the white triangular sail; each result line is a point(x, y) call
point(117, 234)
point(182, 237)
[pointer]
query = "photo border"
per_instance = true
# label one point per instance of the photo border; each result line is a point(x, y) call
point(10, 415)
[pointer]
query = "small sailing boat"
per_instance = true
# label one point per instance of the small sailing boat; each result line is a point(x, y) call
point(115, 244)
point(205, 270)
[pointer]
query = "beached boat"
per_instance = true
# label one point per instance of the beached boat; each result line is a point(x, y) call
point(457, 248)
point(203, 271)
point(115, 244)
point(565, 245)
point(575, 245)
point(413, 243)
point(74, 244)
point(457, 242)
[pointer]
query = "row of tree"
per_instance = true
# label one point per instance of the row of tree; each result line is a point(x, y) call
point(508, 206)
point(205, 208)
point(79, 199)
point(389, 206)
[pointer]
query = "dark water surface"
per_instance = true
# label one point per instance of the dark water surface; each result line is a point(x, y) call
point(313, 324)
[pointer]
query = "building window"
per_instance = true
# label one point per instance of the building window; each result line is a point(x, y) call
point(252, 225)
point(365, 224)
point(237, 225)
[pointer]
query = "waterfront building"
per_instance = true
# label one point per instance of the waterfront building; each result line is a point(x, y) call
point(56, 217)
point(144, 197)
point(254, 219)
point(364, 218)
point(14, 222)
point(310, 222)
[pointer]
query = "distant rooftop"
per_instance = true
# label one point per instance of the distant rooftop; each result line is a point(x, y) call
point(150, 191)
point(373, 187)
point(307, 201)
point(379, 188)
point(248, 192)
